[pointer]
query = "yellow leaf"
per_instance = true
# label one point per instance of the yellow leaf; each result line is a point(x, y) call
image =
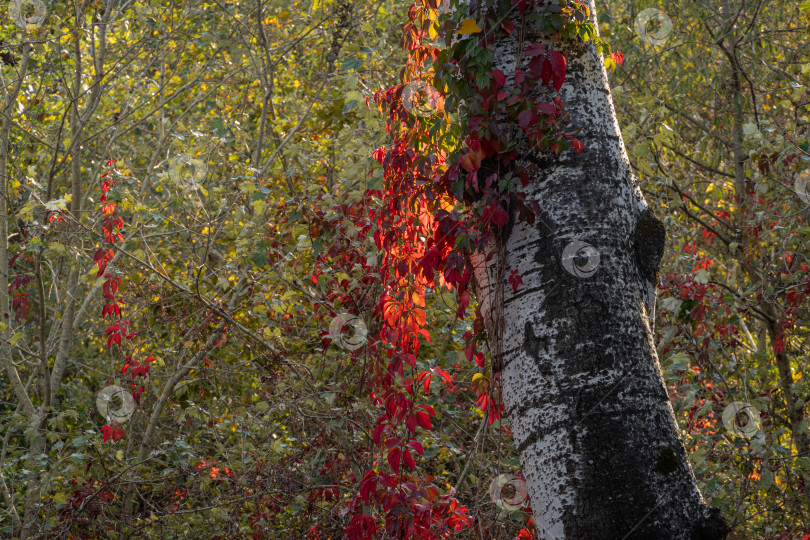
point(468, 26)
point(16, 338)
point(433, 30)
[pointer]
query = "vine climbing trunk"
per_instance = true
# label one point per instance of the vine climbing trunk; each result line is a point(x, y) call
point(581, 382)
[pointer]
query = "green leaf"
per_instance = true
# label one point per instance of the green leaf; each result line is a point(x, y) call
point(56, 247)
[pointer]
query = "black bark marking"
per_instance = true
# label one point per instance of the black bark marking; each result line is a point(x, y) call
point(649, 239)
point(667, 461)
point(531, 343)
point(712, 527)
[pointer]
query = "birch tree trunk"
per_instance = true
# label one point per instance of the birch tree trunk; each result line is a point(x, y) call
point(595, 430)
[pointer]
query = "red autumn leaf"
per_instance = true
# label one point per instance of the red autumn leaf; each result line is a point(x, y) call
point(468, 163)
point(427, 408)
point(525, 118)
point(515, 99)
point(368, 485)
point(508, 26)
point(618, 58)
point(113, 338)
point(111, 309)
point(361, 527)
point(408, 459)
point(558, 64)
point(102, 258)
point(377, 433)
point(446, 376)
point(410, 423)
point(110, 287)
point(423, 419)
point(534, 49)
point(391, 404)
point(515, 280)
point(478, 119)
point(469, 350)
point(499, 77)
point(536, 66)
point(112, 431)
point(417, 447)
point(394, 455)
point(545, 72)
point(480, 359)
point(497, 214)
point(544, 107)
point(524, 179)
point(379, 155)
point(483, 402)
point(393, 442)
point(416, 319)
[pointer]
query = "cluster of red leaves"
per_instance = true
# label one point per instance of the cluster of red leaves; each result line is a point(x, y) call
point(437, 208)
point(413, 507)
point(119, 330)
point(85, 504)
point(355, 224)
point(795, 302)
point(111, 223)
point(210, 469)
point(704, 312)
point(410, 512)
point(114, 432)
point(139, 369)
point(20, 300)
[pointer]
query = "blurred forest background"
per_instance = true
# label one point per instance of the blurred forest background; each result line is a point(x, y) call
point(187, 198)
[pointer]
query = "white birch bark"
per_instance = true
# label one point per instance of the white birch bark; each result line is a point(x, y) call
point(593, 425)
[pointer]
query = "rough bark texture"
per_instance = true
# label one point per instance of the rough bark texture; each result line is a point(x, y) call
point(592, 421)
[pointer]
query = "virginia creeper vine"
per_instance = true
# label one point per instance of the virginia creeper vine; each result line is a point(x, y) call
point(452, 187)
